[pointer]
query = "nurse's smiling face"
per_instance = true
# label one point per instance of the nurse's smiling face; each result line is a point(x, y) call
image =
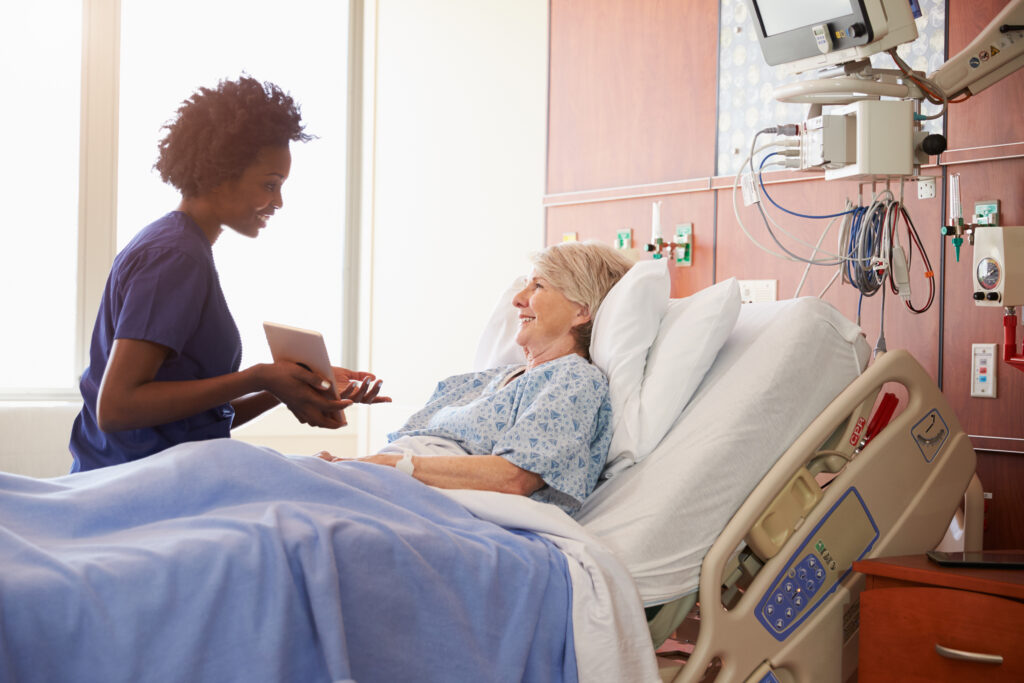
point(546, 319)
point(247, 203)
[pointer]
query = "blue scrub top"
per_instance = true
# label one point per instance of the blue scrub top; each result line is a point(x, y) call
point(163, 288)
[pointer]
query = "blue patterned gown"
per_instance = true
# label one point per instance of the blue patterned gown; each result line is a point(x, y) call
point(554, 420)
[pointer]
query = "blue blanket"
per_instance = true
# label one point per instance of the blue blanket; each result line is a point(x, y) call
point(221, 561)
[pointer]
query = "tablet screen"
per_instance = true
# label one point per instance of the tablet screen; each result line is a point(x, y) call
point(297, 345)
point(1004, 559)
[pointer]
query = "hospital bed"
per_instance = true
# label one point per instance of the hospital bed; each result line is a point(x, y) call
point(186, 559)
point(788, 464)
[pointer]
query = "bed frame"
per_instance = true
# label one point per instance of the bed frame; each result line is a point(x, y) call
point(778, 600)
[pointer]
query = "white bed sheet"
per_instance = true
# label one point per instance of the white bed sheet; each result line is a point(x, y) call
point(783, 363)
point(612, 640)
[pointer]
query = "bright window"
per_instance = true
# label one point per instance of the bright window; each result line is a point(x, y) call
point(56, 247)
point(293, 273)
point(40, 68)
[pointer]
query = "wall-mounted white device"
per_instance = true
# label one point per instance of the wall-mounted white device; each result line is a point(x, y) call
point(998, 266)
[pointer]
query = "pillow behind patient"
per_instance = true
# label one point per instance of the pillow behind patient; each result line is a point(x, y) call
point(497, 346)
point(625, 327)
point(685, 343)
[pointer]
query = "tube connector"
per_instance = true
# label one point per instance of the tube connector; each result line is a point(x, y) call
point(900, 273)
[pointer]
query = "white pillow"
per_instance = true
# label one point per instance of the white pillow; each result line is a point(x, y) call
point(626, 325)
point(689, 337)
point(497, 345)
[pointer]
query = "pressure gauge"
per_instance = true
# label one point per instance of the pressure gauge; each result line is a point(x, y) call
point(988, 273)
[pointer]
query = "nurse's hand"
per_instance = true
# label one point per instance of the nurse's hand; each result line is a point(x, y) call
point(305, 395)
point(359, 387)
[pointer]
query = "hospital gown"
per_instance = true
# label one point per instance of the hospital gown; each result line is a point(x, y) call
point(554, 421)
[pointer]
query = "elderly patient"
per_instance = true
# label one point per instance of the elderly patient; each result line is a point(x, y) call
point(540, 429)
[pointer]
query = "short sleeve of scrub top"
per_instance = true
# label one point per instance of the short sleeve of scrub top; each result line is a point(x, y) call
point(163, 288)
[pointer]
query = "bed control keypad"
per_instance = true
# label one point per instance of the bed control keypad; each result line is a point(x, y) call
point(794, 593)
point(845, 533)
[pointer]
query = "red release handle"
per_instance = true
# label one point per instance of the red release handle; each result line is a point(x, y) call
point(1010, 355)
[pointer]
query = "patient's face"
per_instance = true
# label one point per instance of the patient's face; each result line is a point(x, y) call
point(546, 319)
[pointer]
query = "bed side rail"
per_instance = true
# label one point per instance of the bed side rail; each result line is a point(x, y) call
point(896, 496)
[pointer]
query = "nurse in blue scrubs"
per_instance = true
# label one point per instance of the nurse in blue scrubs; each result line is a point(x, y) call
point(165, 351)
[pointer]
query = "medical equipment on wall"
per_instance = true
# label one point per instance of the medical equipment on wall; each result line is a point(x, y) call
point(868, 138)
point(999, 280)
point(864, 123)
point(997, 271)
point(680, 249)
point(870, 253)
point(842, 34)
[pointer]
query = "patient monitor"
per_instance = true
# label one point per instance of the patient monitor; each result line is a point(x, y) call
point(813, 34)
point(806, 36)
point(834, 39)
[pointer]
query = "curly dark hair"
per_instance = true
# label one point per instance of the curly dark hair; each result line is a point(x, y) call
point(218, 132)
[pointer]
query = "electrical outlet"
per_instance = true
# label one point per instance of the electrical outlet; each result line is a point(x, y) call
point(684, 244)
point(983, 370)
point(926, 187)
point(752, 291)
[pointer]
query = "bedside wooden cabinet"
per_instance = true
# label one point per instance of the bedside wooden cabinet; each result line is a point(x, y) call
point(923, 622)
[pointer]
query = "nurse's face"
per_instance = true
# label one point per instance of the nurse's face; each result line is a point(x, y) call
point(247, 203)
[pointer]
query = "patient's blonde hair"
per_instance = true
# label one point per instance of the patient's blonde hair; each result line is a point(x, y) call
point(583, 272)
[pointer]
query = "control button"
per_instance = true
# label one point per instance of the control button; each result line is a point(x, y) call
point(992, 296)
point(801, 573)
point(788, 613)
point(798, 601)
point(979, 296)
point(856, 30)
point(811, 587)
point(779, 624)
point(779, 598)
point(789, 587)
point(769, 610)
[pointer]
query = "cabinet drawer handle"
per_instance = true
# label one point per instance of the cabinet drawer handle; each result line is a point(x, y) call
point(950, 653)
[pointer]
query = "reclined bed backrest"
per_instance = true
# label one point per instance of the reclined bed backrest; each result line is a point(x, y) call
point(782, 364)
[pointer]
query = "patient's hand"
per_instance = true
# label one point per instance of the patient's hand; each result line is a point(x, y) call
point(326, 455)
point(359, 387)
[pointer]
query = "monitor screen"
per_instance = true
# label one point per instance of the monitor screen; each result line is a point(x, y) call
point(784, 27)
point(778, 16)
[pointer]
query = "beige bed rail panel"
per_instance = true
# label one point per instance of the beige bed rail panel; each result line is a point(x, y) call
point(900, 493)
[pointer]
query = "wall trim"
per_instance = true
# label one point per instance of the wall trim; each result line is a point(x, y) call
point(970, 155)
point(966, 155)
point(997, 444)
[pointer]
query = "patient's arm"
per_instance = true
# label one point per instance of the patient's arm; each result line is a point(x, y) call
point(483, 472)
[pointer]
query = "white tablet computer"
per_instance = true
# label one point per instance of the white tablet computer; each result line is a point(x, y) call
point(305, 347)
